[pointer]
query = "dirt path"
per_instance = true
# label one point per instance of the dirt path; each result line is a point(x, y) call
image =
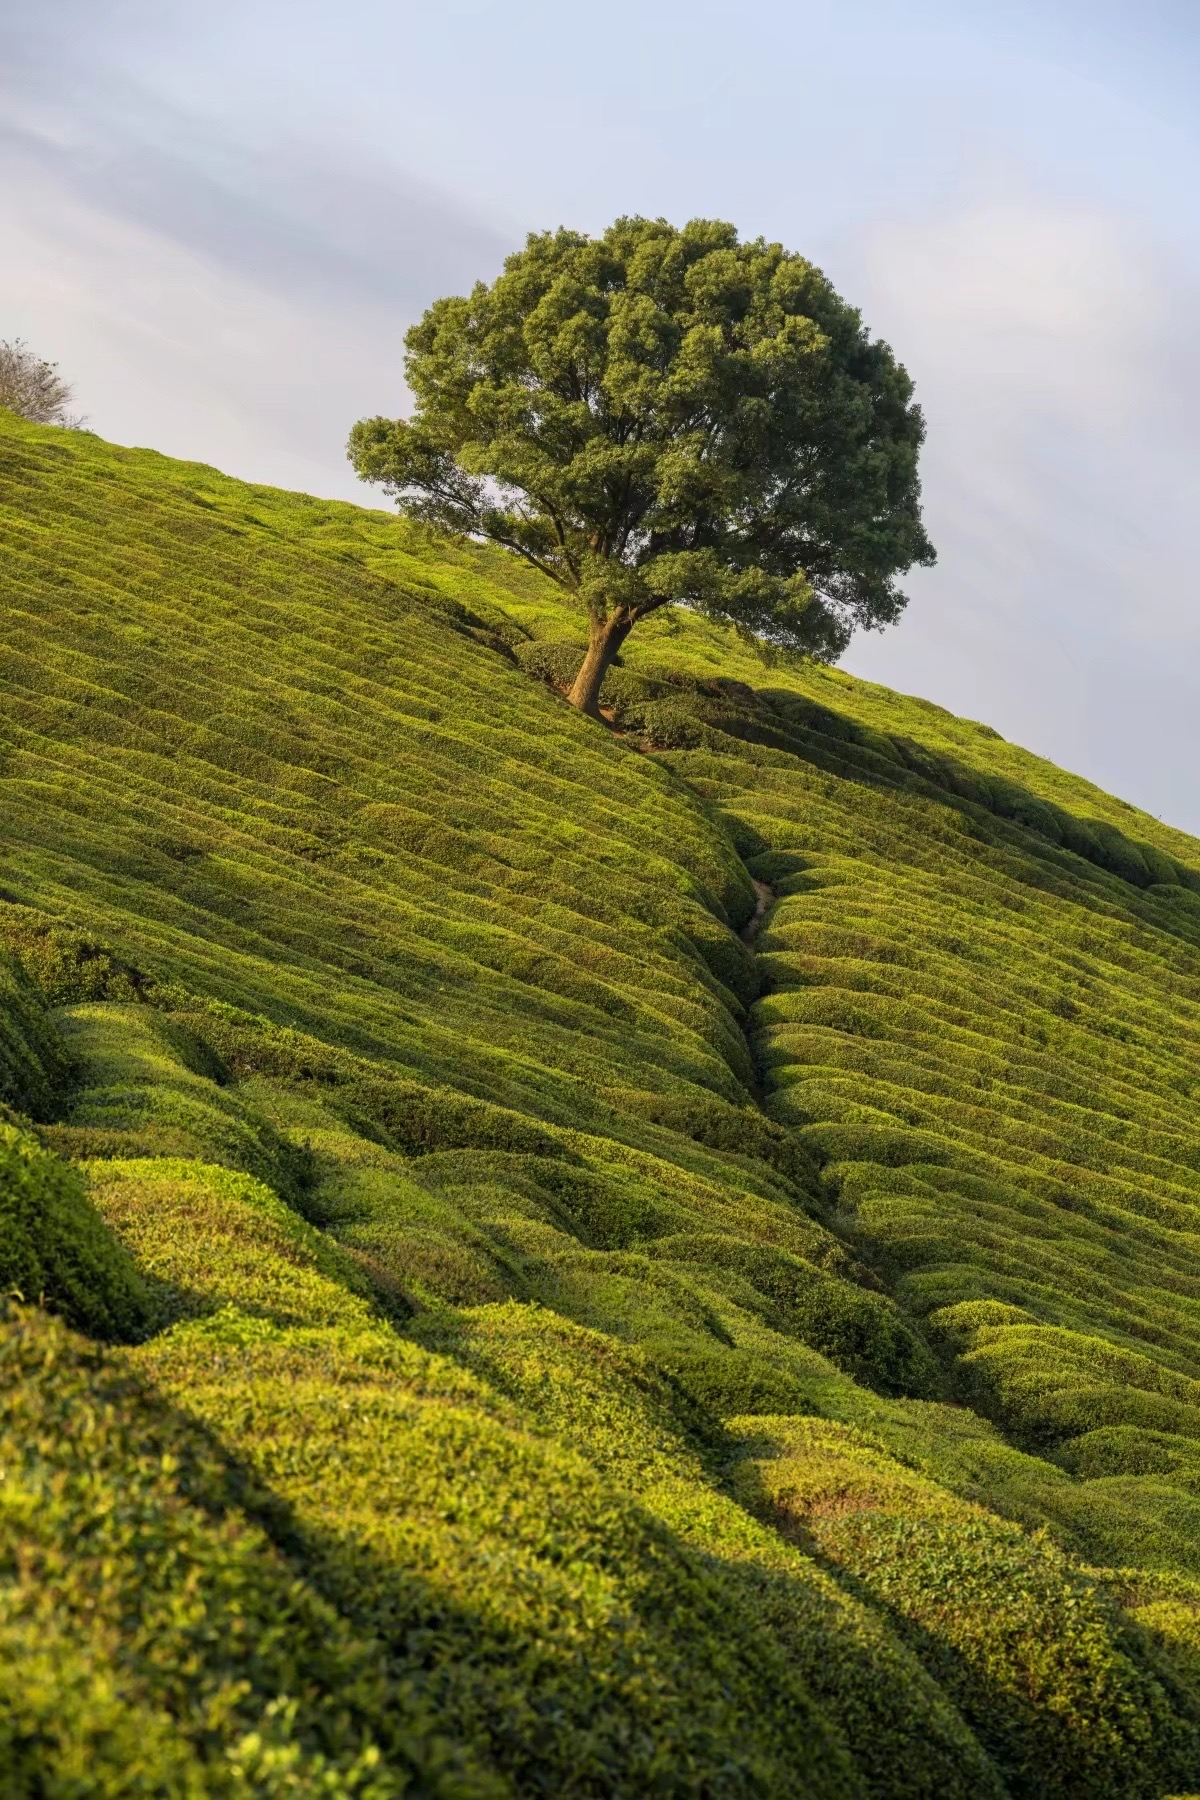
point(752, 927)
point(764, 900)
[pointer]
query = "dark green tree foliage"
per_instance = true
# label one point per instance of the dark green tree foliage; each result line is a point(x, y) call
point(658, 417)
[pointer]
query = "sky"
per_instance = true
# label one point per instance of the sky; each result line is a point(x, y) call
point(220, 220)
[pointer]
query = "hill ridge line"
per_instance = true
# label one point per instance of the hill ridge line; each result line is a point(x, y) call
point(561, 1271)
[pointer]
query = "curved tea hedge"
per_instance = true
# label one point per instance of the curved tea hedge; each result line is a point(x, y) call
point(55, 1250)
point(550, 1344)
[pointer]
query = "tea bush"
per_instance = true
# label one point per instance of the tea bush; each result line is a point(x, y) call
point(54, 1249)
point(35, 1068)
point(153, 1637)
point(578, 1351)
point(1031, 1651)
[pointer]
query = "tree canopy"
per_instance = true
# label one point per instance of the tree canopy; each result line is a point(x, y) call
point(32, 387)
point(659, 416)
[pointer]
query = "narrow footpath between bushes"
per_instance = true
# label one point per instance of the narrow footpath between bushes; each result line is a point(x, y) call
point(749, 934)
point(764, 895)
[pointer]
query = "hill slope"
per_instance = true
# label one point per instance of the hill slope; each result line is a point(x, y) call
point(652, 1261)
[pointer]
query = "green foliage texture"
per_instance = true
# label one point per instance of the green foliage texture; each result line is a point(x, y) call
point(497, 1303)
point(659, 415)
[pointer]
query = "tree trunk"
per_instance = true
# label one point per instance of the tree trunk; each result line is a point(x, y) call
point(605, 638)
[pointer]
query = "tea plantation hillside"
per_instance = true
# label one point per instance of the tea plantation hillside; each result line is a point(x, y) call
point(545, 1258)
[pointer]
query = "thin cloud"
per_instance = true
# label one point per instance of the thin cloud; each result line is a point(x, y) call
point(303, 219)
point(222, 298)
point(1053, 347)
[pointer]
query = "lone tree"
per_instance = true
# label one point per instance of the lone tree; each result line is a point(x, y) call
point(34, 388)
point(658, 417)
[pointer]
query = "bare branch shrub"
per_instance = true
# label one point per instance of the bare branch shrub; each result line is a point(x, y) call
point(33, 387)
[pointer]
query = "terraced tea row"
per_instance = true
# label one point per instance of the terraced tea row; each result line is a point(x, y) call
point(990, 1045)
point(207, 763)
point(498, 1399)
